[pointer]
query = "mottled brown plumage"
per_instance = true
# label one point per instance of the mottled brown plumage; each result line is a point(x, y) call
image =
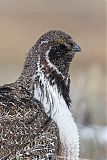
point(24, 126)
point(28, 127)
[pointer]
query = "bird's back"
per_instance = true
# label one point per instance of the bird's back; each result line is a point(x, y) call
point(25, 130)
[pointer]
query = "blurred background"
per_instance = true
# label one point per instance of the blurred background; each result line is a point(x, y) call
point(23, 22)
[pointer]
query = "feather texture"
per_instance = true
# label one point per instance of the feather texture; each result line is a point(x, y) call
point(35, 120)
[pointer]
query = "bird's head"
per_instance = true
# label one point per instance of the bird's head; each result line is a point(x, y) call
point(52, 53)
point(57, 50)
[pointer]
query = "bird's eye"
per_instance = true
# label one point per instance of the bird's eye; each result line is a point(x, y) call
point(71, 44)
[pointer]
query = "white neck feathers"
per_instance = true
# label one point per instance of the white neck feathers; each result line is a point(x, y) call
point(56, 107)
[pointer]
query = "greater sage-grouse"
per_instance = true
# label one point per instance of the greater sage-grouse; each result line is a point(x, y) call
point(35, 119)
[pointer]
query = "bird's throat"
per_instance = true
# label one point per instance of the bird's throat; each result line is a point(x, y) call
point(56, 107)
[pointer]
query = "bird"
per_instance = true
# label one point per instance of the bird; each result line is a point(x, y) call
point(36, 122)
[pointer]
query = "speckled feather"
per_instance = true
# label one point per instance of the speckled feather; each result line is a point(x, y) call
point(25, 130)
point(28, 131)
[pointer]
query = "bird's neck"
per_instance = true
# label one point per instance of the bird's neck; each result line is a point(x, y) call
point(29, 69)
point(52, 90)
point(48, 91)
point(37, 69)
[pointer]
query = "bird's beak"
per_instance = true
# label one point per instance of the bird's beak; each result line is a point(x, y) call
point(76, 48)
